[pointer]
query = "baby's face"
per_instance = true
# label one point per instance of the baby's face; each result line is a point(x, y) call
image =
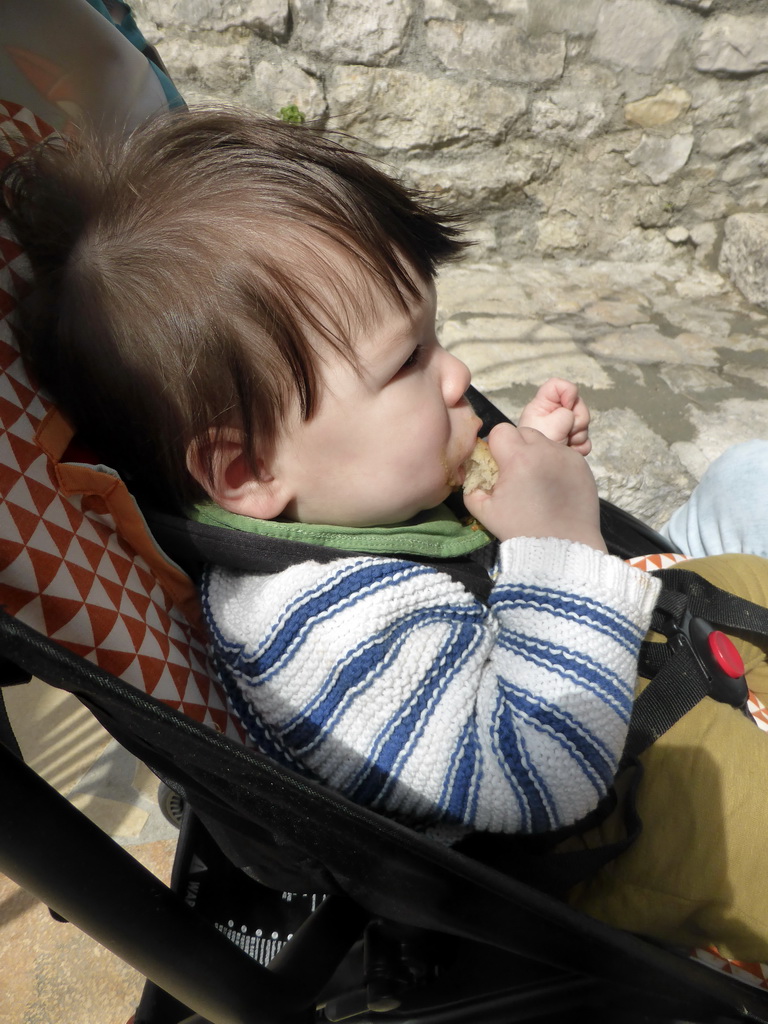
point(387, 440)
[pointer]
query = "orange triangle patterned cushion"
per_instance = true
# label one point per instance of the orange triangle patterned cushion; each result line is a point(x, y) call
point(76, 560)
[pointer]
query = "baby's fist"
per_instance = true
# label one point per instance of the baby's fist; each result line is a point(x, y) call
point(560, 414)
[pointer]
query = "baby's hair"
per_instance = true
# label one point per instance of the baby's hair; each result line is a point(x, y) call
point(181, 271)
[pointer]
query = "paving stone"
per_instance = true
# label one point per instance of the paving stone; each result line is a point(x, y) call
point(644, 344)
point(673, 361)
point(725, 423)
point(473, 328)
point(619, 314)
point(53, 972)
point(696, 320)
point(634, 467)
point(549, 332)
point(701, 283)
point(498, 364)
point(757, 374)
point(112, 816)
point(752, 342)
point(686, 380)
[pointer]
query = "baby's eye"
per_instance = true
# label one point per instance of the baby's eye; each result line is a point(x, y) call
point(413, 359)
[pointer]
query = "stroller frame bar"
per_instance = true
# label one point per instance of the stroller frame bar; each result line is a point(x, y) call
point(106, 892)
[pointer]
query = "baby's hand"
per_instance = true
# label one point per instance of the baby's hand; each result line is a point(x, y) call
point(560, 414)
point(544, 489)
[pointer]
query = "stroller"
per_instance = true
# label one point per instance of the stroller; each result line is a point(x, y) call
point(288, 904)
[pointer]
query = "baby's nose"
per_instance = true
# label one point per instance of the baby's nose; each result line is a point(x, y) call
point(456, 378)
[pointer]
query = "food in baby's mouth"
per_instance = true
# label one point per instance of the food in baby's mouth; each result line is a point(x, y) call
point(481, 469)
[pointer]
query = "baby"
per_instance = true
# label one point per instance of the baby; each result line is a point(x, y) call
point(240, 314)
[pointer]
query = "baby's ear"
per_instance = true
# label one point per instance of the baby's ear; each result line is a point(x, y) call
point(218, 462)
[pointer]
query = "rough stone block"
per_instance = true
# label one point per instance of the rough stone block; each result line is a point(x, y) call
point(704, 237)
point(267, 17)
point(500, 50)
point(480, 181)
point(273, 87)
point(578, 17)
point(744, 255)
point(442, 9)
point(678, 235)
point(660, 158)
point(508, 6)
point(636, 34)
point(568, 113)
point(666, 106)
point(558, 232)
point(721, 142)
point(453, 9)
point(352, 31)
point(394, 109)
point(209, 70)
point(702, 6)
point(733, 44)
point(757, 111)
point(744, 167)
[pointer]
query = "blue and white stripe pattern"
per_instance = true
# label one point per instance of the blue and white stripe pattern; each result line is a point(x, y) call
point(391, 683)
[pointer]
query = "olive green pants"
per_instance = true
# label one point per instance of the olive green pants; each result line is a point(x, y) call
point(697, 875)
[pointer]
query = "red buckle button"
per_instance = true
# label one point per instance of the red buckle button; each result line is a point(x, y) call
point(727, 658)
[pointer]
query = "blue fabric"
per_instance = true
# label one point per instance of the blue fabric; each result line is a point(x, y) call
point(128, 28)
point(728, 510)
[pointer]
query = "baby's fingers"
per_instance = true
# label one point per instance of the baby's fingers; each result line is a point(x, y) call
point(559, 392)
point(582, 447)
point(580, 442)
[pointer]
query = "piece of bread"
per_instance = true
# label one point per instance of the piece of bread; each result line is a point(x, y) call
point(481, 469)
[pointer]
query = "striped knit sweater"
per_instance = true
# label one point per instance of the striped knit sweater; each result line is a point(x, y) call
point(389, 682)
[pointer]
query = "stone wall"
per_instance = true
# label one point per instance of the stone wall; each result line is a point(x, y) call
point(619, 129)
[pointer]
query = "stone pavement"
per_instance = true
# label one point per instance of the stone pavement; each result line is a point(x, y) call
point(672, 360)
point(53, 973)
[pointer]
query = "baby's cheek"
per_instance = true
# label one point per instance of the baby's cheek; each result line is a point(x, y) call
point(451, 465)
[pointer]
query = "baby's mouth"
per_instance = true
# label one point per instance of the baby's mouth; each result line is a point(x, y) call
point(455, 476)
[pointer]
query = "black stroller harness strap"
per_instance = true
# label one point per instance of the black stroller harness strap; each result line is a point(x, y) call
point(194, 544)
point(689, 666)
